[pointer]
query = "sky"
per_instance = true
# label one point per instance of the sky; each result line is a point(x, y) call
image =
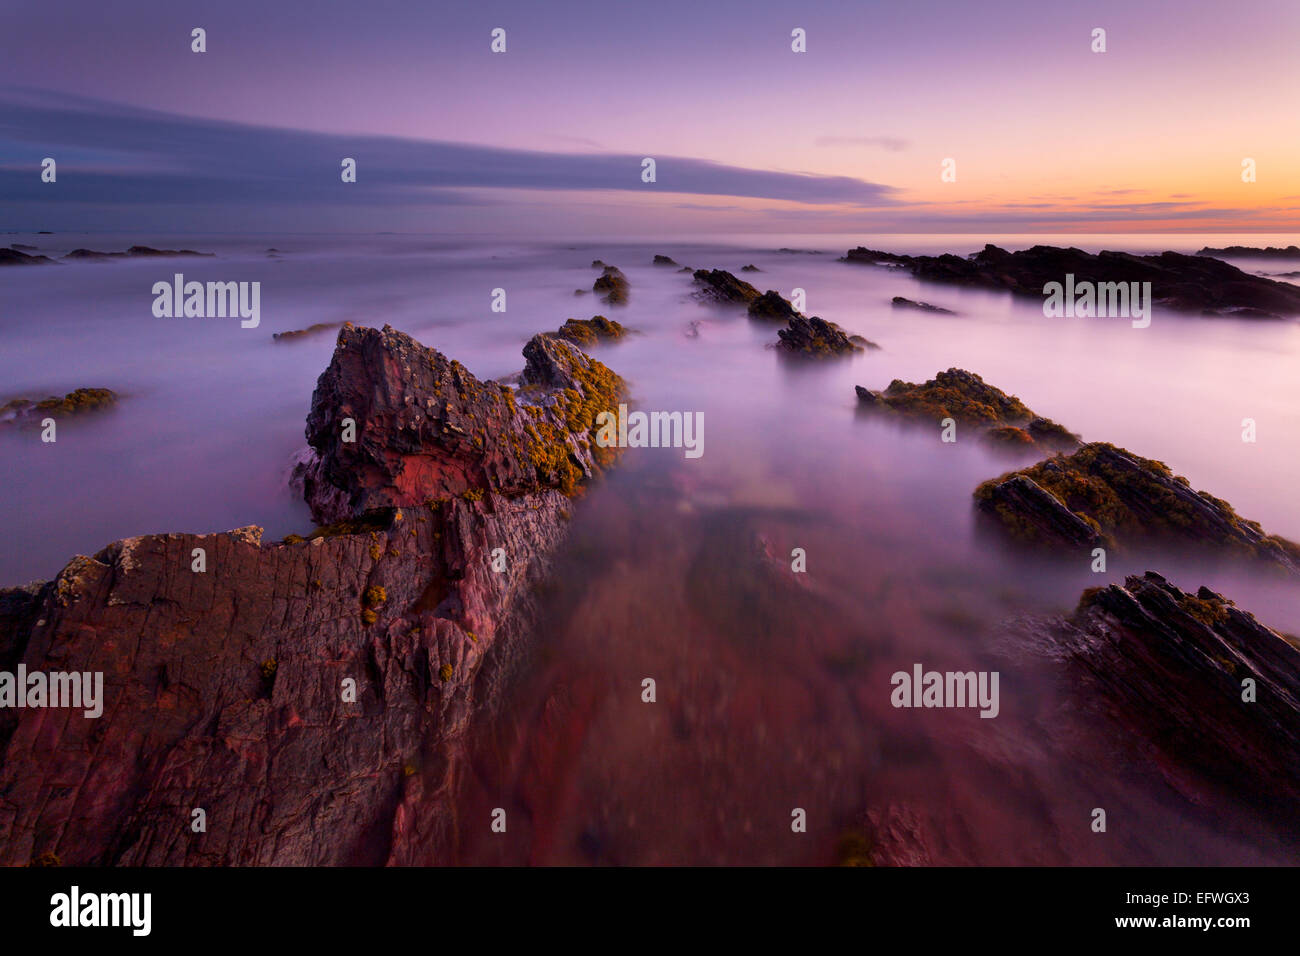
point(548, 137)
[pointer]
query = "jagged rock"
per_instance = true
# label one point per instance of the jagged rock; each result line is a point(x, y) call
point(773, 306)
point(1181, 282)
point(815, 337)
point(1253, 252)
point(750, 268)
point(664, 261)
point(313, 329)
point(227, 690)
point(1170, 665)
point(427, 428)
point(13, 257)
point(587, 332)
point(965, 397)
point(1123, 499)
point(613, 285)
point(723, 287)
point(25, 411)
point(901, 303)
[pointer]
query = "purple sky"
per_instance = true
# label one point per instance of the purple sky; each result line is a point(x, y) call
point(1047, 135)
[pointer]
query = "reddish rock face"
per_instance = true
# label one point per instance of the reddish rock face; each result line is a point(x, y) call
point(229, 690)
point(425, 428)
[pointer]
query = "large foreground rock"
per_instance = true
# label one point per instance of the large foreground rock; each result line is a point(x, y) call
point(229, 690)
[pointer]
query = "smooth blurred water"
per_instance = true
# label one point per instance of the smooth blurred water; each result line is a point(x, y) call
point(211, 414)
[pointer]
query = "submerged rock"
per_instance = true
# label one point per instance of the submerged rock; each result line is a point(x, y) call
point(816, 338)
point(901, 303)
point(750, 268)
point(586, 332)
point(13, 257)
point(1181, 282)
point(1170, 666)
point(79, 402)
point(722, 287)
point(143, 252)
point(664, 261)
point(612, 285)
point(312, 697)
point(1122, 499)
point(968, 400)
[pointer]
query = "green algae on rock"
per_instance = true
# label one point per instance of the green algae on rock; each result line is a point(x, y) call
point(585, 332)
point(1121, 499)
point(78, 402)
point(612, 285)
point(966, 398)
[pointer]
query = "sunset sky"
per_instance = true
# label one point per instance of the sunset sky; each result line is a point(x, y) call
point(548, 137)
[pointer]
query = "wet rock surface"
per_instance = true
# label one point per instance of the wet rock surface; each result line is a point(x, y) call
point(967, 399)
point(814, 337)
point(1122, 499)
point(1169, 666)
point(1185, 283)
point(588, 332)
point(310, 696)
point(82, 401)
point(720, 286)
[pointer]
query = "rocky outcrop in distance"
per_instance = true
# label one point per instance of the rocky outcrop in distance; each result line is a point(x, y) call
point(21, 411)
point(612, 286)
point(899, 302)
point(1253, 252)
point(1184, 283)
point(14, 257)
point(311, 697)
point(721, 287)
point(814, 337)
point(135, 252)
point(964, 397)
point(664, 261)
point(587, 332)
point(314, 329)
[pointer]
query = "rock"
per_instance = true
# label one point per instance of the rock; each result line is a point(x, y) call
point(750, 268)
point(1124, 499)
point(588, 332)
point(685, 269)
point(427, 428)
point(817, 338)
point(798, 252)
point(23, 247)
point(664, 261)
point(1168, 665)
point(141, 252)
point(901, 303)
point(773, 306)
point(145, 251)
point(229, 690)
point(723, 287)
point(597, 264)
point(965, 397)
point(1180, 282)
point(612, 284)
point(12, 257)
point(24, 411)
point(1253, 252)
point(303, 333)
